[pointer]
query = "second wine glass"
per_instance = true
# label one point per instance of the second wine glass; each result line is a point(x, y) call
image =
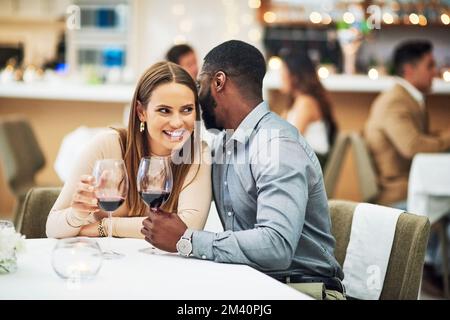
point(154, 183)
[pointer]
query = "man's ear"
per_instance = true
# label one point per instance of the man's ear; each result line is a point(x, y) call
point(408, 69)
point(142, 113)
point(219, 81)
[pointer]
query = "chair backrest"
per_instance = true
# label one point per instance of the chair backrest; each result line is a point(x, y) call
point(404, 271)
point(366, 173)
point(36, 208)
point(334, 163)
point(21, 155)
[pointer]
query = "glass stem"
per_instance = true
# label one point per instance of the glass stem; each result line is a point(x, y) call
point(109, 231)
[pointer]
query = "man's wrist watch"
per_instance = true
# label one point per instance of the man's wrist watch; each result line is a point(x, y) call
point(184, 245)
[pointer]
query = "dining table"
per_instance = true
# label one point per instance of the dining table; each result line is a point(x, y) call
point(429, 186)
point(157, 275)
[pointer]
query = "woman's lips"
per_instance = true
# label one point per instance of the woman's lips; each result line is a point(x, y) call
point(175, 135)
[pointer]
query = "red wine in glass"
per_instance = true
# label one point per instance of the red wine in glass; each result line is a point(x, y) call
point(110, 204)
point(155, 199)
point(154, 183)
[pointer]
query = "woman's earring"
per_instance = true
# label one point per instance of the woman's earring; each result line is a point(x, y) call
point(142, 128)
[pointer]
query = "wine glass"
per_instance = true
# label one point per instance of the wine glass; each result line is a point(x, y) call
point(154, 183)
point(111, 189)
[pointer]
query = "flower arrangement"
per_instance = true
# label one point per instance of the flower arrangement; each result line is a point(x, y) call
point(11, 243)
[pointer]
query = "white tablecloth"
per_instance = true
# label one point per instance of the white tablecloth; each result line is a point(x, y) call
point(141, 276)
point(429, 185)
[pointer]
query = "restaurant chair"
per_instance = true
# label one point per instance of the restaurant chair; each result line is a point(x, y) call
point(21, 158)
point(366, 173)
point(334, 163)
point(36, 208)
point(406, 260)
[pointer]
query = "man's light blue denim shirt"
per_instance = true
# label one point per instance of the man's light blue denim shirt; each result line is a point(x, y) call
point(270, 196)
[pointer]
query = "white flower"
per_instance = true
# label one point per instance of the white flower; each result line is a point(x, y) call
point(10, 242)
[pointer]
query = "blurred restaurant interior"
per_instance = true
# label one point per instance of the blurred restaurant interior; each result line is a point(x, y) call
point(69, 67)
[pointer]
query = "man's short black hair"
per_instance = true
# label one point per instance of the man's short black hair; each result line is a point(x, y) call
point(240, 61)
point(176, 52)
point(410, 52)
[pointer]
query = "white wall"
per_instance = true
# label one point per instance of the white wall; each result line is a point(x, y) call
point(203, 24)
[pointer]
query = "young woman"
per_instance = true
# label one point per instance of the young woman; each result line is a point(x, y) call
point(162, 120)
point(311, 110)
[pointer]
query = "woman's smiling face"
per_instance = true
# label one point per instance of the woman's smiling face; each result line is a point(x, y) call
point(170, 117)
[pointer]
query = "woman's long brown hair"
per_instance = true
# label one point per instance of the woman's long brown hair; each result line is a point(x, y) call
point(304, 79)
point(135, 144)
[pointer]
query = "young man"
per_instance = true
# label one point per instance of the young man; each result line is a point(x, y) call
point(184, 56)
point(272, 204)
point(397, 128)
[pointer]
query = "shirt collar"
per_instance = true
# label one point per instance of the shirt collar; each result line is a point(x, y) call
point(413, 91)
point(249, 123)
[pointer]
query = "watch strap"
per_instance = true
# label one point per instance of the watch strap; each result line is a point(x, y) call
point(188, 234)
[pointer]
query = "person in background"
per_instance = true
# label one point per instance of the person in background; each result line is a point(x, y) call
point(397, 128)
point(275, 213)
point(311, 111)
point(162, 120)
point(184, 56)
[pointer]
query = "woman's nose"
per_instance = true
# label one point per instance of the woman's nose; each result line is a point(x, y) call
point(176, 121)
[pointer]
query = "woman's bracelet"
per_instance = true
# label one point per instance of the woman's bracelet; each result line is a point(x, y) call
point(101, 229)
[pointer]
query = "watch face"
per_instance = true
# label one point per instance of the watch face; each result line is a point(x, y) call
point(184, 247)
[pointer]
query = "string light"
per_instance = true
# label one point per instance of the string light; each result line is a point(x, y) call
point(373, 74)
point(315, 17)
point(414, 18)
point(270, 17)
point(349, 17)
point(326, 19)
point(254, 4)
point(388, 18)
point(446, 76)
point(422, 20)
point(275, 63)
point(445, 19)
point(323, 72)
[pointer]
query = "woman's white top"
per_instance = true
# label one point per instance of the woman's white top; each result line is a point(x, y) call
point(316, 134)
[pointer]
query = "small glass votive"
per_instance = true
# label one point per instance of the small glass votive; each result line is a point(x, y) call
point(77, 258)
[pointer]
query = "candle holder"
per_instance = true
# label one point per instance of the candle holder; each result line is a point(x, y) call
point(77, 259)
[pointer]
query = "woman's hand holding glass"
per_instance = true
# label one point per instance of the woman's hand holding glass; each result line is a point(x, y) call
point(84, 200)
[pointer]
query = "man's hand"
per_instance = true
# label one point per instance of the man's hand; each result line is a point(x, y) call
point(163, 230)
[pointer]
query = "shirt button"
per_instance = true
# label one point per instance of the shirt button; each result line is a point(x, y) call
point(225, 183)
point(203, 257)
point(230, 213)
point(228, 152)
